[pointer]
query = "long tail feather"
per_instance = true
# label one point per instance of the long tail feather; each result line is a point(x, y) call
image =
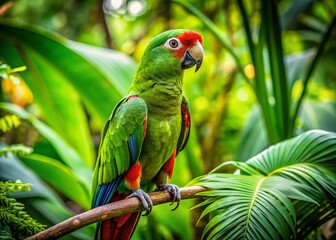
point(119, 228)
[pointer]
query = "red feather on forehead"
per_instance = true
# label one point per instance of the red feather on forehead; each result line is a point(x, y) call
point(189, 38)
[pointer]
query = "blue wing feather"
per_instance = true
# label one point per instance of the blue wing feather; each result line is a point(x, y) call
point(133, 148)
point(106, 191)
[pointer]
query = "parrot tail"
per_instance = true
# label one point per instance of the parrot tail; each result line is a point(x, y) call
point(118, 228)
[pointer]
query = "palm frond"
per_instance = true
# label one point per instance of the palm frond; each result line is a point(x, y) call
point(284, 192)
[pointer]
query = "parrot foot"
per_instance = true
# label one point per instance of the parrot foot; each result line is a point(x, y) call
point(174, 193)
point(144, 198)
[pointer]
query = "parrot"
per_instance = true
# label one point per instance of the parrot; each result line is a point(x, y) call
point(146, 131)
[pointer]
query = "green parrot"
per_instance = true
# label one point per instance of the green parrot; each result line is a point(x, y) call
point(146, 131)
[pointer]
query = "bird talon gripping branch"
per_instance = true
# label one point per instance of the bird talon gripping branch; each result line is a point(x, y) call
point(144, 199)
point(174, 192)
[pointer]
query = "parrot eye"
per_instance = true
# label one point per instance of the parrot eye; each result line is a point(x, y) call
point(173, 43)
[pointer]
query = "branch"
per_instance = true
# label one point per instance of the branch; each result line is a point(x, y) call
point(110, 210)
point(102, 21)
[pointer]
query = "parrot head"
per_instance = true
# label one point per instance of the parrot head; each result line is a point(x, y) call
point(186, 46)
point(171, 52)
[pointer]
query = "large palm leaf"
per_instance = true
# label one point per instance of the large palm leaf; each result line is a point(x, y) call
point(285, 192)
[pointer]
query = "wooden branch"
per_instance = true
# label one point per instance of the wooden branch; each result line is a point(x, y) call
point(110, 210)
point(102, 21)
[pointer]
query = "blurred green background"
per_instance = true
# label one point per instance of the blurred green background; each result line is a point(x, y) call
point(267, 75)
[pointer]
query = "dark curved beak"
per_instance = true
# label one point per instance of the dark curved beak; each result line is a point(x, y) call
point(193, 56)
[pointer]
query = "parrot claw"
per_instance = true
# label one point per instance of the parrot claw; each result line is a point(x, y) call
point(144, 198)
point(174, 193)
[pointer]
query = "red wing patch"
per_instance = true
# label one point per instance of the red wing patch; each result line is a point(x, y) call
point(186, 116)
point(145, 128)
point(169, 165)
point(133, 176)
point(131, 97)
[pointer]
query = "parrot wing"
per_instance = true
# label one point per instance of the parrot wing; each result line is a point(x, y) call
point(185, 126)
point(119, 148)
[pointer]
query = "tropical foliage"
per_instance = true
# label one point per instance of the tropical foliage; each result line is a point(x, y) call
point(13, 215)
point(15, 223)
point(285, 192)
point(267, 76)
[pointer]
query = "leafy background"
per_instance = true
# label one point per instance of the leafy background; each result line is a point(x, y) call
point(80, 61)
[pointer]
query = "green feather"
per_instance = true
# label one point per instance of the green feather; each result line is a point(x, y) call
point(114, 158)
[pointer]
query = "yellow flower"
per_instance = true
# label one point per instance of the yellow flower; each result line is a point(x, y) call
point(17, 90)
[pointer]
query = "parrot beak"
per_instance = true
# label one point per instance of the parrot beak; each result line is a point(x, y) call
point(193, 56)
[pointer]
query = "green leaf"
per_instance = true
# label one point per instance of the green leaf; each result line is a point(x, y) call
point(295, 64)
point(66, 152)
point(253, 137)
point(271, 198)
point(57, 99)
point(63, 74)
point(301, 149)
point(314, 115)
point(293, 12)
point(271, 24)
point(42, 203)
point(117, 67)
point(318, 115)
point(88, 69)
point(310, 69)
point(249, 202)
point(60, 177)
